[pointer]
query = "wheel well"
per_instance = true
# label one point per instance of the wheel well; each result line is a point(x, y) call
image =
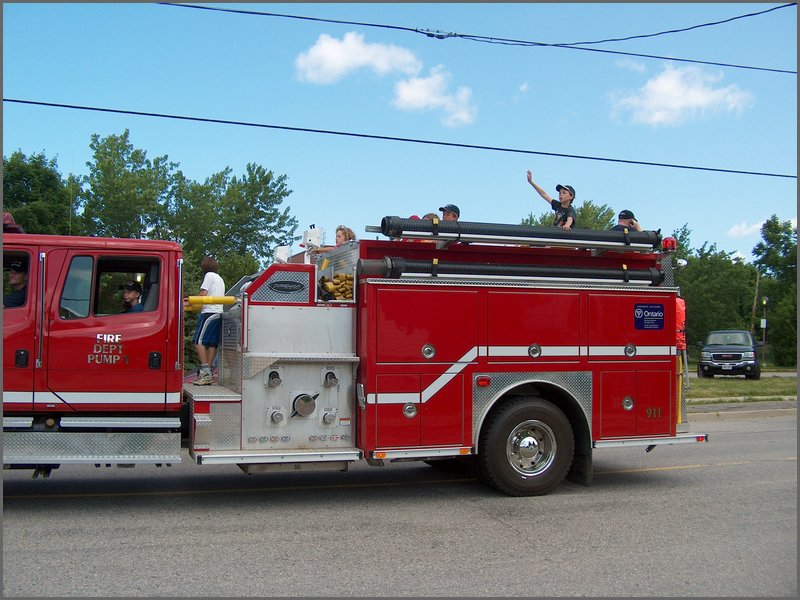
point(581, 469)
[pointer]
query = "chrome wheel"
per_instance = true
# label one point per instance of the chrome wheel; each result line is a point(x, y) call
point(531, 448)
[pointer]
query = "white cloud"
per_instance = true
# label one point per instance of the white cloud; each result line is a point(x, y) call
point(631, 65)
point(743, 229)
point(429, 93)
point(331, 59)
point(679, 94)
point(524, 87)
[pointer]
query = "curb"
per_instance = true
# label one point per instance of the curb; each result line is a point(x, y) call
point(721, 408)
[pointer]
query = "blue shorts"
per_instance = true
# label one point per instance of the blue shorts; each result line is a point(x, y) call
point(207, 331)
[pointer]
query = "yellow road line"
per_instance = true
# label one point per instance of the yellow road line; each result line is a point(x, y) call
point(697, 466)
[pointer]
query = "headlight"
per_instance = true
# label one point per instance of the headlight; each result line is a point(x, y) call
point(705, 355)
point(748, 354)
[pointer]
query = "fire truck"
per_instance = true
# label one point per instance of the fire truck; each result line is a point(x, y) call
point(514, 349)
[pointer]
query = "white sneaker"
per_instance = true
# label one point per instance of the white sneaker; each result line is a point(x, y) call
point(205, 379)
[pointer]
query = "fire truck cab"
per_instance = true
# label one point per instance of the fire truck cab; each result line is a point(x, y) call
point(81, 378)
point(518, 349)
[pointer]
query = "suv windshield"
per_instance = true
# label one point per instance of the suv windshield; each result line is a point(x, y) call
point(734, 338)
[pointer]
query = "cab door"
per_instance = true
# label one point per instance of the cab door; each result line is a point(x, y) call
point(20, 329)
point(98, 357)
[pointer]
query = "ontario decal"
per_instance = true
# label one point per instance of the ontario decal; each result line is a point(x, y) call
point(648, 316)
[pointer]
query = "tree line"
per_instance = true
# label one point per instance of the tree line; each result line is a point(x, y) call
point(240, 219)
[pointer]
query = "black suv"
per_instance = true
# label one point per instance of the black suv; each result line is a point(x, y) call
point(729, 352)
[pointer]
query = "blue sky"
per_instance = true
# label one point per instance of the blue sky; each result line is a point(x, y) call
point(555, 102)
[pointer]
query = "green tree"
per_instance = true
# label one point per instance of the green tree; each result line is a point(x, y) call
point(588, 216)
point(776, 260)
point(239, 220)
point(36, 194)
point(776, 253)
point(682, 236)
point(126, 194)
point(718, 290)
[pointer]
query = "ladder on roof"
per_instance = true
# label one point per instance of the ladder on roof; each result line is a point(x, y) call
point(527, 235)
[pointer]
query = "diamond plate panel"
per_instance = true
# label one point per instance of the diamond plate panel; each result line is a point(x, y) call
point(230, 355)
point(668, 269)
point(226, 426)
point(253, 365)
point(267, 294)
point(68, 447)
point(577, 384)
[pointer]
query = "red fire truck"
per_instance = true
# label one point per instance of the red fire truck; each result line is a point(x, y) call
point(518, 349)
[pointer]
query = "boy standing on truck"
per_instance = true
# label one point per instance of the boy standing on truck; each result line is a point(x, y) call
point(564, 211)
point(206, 334)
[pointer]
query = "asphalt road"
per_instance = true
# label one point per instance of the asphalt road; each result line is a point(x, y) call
point(715, 519)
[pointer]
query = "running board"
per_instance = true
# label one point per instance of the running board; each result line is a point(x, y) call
point(59, 447)
point(681, 438)
point(289, 457)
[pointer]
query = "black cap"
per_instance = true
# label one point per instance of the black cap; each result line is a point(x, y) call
point(626, 214)
point(569, 188)
point(133, 286)
point(451, 208)
point(17, 267)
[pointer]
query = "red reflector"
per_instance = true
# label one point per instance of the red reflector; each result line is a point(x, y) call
point(483, 381)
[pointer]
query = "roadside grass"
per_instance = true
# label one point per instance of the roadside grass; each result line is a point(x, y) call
point(739, 387)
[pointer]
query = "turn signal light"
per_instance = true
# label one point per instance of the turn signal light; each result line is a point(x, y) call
point(483, 381)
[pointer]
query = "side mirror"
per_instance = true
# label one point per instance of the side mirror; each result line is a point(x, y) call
point(759, 343)
point(699, 344)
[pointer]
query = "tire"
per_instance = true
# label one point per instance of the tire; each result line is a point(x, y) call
point(526, 447)
point(756, 375)
point(700, 373)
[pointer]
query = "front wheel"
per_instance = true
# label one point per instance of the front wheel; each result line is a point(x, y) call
point(526, 447)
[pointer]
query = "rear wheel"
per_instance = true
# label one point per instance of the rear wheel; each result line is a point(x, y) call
point(526, 447)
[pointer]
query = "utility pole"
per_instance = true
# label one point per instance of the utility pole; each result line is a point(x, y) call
point(764, 302)
point(755, 301)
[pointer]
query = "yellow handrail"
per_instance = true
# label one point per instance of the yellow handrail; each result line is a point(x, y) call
point(195, 303)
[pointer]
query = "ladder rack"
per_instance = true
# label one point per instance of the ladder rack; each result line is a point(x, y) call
point(526, 235)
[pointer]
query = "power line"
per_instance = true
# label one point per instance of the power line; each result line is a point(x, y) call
point(682, 30)
point(506, 41)
point(389, 138)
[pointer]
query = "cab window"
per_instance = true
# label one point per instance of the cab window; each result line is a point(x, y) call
point(75, 296)
point(96, 285)
point(15, 279)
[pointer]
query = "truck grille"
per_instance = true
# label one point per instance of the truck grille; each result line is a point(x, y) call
point(723, 356)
